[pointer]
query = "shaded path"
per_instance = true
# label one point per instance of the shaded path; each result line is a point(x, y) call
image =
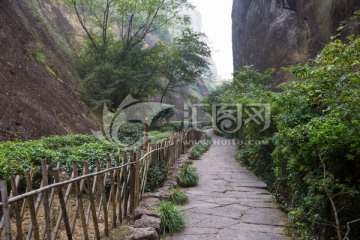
point(230, 202)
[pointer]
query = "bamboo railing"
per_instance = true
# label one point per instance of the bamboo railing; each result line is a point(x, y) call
point(88, 205)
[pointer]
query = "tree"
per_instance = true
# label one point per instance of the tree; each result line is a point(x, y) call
point(95, 17)
point(137, 19)
point(123, 52)
point(110, 82)
point(187, 59)
point(132, 20)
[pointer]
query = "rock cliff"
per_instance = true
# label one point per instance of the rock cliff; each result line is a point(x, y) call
point(276, 33)
point(37, 74)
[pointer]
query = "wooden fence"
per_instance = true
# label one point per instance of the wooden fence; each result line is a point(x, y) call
point(86, 205)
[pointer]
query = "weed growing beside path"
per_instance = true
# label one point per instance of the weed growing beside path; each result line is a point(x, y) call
point(199, 149)
point(188, 177)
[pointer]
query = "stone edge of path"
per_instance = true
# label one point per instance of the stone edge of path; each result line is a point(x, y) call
point(145, 222)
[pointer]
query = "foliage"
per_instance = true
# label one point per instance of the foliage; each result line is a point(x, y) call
point(199, 149)
point(39, 57)
point(174, 126)
point(112, 80)
point(248, 87)
point(179, 197)
point(311, 161)
point(317, 151)
point(136, 61)
point(20, 157)
point(351, 26)
point(156, 176)
point(172, 220)
point(186, 60)
point(164, 114)
point(158, 137)
point(131, 133)
point(188, 177)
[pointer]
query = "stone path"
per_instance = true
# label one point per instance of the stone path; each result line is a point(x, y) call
point(230, 202)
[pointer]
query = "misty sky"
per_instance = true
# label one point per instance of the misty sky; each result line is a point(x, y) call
point(216, 19)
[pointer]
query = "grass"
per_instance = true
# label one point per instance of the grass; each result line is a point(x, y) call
point(172, 219)
point(179, 197)
point(188, 177)
point(199, 149)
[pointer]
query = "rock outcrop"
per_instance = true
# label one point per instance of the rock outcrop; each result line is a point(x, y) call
point(276, 33)
point(143, 234)
point(38, 95)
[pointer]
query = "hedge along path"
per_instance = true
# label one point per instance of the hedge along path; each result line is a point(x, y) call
point(229, 202)
point(83, 205)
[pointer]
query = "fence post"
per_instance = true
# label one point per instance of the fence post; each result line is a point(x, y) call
point(112, 199)
point(63, 207)
point(18, 217)
point(92, 201)
point(182, 143)
point(80, 203)
point(161, 152)
point(132, 181)
point(137, 177)
point(174, 151)
point(30, 201)
point(118, 189)
point(126, 184)
point(67, 194)
point(5, 208)
point(103, 198)
point(46, 200)
point(168, 151)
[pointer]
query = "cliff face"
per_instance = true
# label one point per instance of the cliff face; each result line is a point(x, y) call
point(37, 90)
point(276, 33)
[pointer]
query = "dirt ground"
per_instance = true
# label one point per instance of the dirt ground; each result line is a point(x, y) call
point(36, 99)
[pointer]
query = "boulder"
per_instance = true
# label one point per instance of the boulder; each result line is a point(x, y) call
point(148, 222)
point(143, 234)
point(140, 212)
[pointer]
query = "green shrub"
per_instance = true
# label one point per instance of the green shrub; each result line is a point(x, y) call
point(158, 137)
point(156, 176)
point(316, 144)
point(312, 157)
point(131, 133)
point(56, 142)
point(20, 157)
point(172, 220)
point(188, 177)
point(195, 154)
point(179, 197)
point(175, 126)
point(199, 149)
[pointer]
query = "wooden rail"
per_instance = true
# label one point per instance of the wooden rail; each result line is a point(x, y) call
point(85, 206)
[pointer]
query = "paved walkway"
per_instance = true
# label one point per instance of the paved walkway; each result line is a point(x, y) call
point(230, 202)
